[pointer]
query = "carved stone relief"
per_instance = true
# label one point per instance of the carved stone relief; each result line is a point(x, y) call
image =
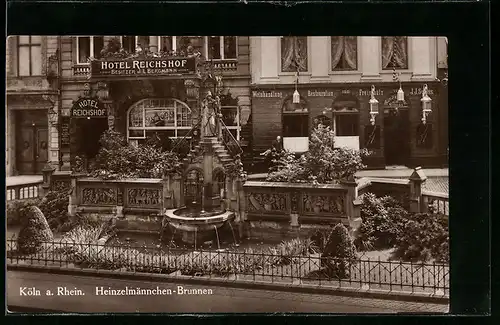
point(143, 197)
point(99, 196)
point(323, 204)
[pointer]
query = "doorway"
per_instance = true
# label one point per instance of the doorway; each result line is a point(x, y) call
point(87, 133)
point(396, 136)
point(31, 142)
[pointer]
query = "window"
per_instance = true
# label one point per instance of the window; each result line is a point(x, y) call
point(296, 125)
point(129, 43)
point(221, 47)
point(165, 117)
point(29, 56)
point(293, 54)
point(394, 52)
point(344, 52)
point(346, 125)
point(231, 118)
point(89, 46)
point(142, 42)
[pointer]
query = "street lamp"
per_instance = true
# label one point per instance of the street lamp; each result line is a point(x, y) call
point(426, 105)
point(373, 106)
point(53, 117)
point(296, 95)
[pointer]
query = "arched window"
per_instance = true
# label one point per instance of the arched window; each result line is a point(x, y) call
point(163, 117)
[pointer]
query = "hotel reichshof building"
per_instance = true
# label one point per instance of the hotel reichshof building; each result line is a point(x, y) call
point(386, 94)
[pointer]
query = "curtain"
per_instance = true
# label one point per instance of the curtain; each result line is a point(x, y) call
point(344, 52)
point(293, 52)
point(351, 52)
point(394, 52)
point(337, 50)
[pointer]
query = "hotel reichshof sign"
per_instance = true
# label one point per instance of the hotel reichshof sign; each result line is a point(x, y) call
point(88, 108)
point(144, 67)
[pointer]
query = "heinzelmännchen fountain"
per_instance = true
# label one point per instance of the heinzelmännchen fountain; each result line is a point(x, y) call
point(206, 206)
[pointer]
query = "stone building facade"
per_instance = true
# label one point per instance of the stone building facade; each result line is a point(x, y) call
point(334, 77)
point(32, 92)
point(83, 102)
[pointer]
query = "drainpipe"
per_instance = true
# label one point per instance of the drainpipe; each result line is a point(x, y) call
point(59, 97)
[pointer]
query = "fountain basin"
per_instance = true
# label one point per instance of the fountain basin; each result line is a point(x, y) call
point(196, 225)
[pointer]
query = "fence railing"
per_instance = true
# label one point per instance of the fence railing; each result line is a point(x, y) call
point(272, 266)
point(24, 191)
point(435, 202)
point(232, 145)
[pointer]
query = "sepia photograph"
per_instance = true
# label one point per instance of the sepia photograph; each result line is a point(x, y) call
point(227, 174)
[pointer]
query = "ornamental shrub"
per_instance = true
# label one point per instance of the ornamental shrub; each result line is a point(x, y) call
point(323, 163)
point(118, 159)
point(339, 253)
point(382, 222)
point(54, 207)
point(425, 236)
point(16, 210)
point(34, 232)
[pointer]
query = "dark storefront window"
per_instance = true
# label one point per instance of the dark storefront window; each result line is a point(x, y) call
point(295, 125)
point(346, 125)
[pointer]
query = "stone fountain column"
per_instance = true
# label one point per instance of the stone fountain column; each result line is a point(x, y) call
point(208, 162)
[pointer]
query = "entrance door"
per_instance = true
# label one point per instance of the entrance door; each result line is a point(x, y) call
point(32, 149)
point(396, 137)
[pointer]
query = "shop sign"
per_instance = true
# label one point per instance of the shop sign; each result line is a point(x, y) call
point(88, 108)
point(418, 91)
point(144, 67)
point(267, 94)
point(322, 93)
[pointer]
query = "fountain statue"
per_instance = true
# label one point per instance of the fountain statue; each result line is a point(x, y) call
point(201, 221)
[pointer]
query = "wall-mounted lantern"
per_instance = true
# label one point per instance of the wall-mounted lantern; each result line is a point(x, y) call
point(373, 106)
point(53, 117)
point(426, 105)
point(296, 95)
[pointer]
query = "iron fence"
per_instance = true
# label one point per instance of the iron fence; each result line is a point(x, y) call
point(270, 266)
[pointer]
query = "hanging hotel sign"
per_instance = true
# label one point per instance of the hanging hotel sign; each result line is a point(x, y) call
point(144, 67)
point(88, 108)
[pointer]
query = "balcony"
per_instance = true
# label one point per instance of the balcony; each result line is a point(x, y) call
point(81, 69)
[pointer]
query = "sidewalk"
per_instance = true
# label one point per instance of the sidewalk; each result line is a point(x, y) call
point(181, 299)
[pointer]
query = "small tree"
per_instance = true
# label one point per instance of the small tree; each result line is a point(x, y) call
point(34, 232)
point(339, 253)
point(323, 163)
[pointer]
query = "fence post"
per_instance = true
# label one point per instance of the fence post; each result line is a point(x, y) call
point(417, 178)
point(47, 173)
point(177, 191)
point(351, 194)
point(166, 192)
point(73, 197)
